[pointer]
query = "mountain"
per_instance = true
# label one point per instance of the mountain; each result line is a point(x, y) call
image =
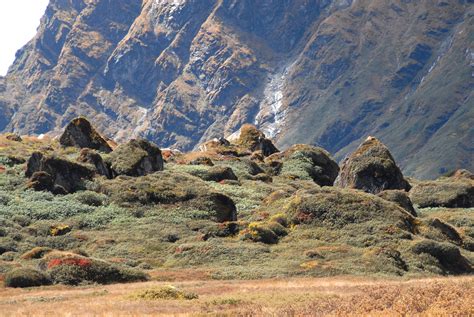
point(322, 72)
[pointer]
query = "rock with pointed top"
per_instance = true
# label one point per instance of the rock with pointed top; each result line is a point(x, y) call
point(80, 133)
point(372, 169)
point(255, 140)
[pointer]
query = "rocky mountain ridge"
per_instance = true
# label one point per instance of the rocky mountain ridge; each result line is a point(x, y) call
point(327, 73)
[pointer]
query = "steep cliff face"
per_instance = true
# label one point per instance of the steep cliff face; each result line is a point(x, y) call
point(306, 71)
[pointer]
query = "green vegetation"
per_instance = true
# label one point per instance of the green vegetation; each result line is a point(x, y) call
point(26, 278)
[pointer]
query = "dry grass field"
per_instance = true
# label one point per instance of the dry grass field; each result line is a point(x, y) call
point(338, 296)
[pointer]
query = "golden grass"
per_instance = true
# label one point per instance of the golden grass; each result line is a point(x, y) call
point(282, 297)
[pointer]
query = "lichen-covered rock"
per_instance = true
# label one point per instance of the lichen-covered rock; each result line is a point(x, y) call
point(92, 157)
point(307, 162)
point(80, 133)
point(372, 169)
point(66, 176)
point(136, 158)
point(255, 140)
point(444, 192)
point(400, 197)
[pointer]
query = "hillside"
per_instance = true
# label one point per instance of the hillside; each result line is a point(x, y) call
point(327, 73)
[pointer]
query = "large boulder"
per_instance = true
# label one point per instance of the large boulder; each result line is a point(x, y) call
point(80, 133)
point(136, 158)
point(372, 169)
point(303, 161)
point(48, 172)
point(253, 140)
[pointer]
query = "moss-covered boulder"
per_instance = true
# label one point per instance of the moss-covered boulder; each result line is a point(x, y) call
point(168, 187)
point(400, 197)
point(252, 139)
point(80, 133)
point(66, 176)
point(308, 163)
point(136, 158)
point(372, 169)
point(26, 277)
point(444, 192)
point(337, 208)
point(220, 207)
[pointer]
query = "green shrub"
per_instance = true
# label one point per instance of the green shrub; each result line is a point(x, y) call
point(260, 232)
point(164, 293)
point(90, 198)
point(280, 218)
point(25, 277)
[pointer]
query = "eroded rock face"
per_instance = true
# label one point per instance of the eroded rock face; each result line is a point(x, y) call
point(80, 133)
point(56, 174)
point(183, 72)
point(136, 158)
point(372, 169)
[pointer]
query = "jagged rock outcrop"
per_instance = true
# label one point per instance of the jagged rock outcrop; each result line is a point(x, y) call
point(253, 140)
point(183, 72)
point(80, 133)
point(136, 158)
point(56, 174)
point(372, 169)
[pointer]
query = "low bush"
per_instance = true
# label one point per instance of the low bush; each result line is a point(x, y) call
point(77, 270)
point(260, 232)
point(25, 277)
point(164, 293)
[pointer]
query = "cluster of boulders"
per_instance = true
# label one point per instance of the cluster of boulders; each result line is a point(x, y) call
point(370, 168)
point(62, 175)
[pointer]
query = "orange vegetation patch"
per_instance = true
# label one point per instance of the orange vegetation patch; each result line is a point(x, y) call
point(69, 261)
point(2, 169)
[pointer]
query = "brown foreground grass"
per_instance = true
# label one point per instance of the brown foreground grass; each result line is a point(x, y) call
point(282, 297)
